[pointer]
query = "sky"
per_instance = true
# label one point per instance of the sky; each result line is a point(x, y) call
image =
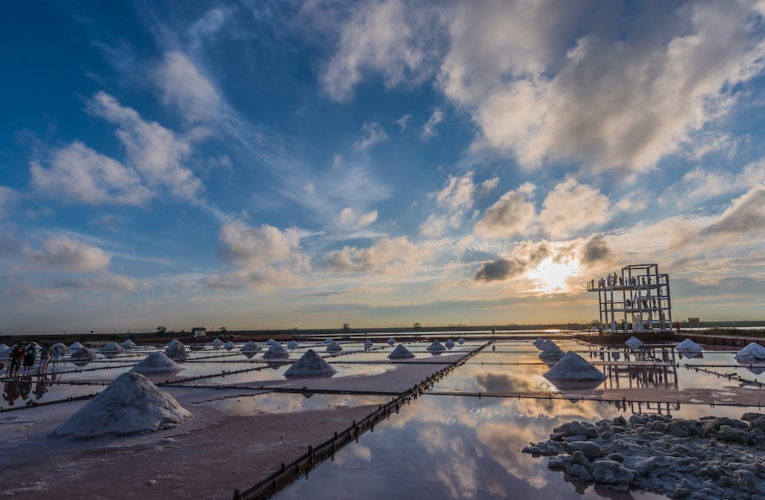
point(280, 164)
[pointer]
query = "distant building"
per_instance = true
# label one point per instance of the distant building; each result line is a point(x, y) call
point(199, 331)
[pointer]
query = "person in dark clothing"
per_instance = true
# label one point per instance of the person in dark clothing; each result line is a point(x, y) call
point(17, 355)
point(29, 358)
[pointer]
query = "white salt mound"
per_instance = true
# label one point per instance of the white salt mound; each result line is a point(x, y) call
point(401, 352)
point(328, 341)
point(310, 365)
point(217, 343)
point(461, 341)
point(250, 347)
point(751, 352)
point(112, 347)
point(293, 345)
point(62, 348)
point(436, 346)
point(573, 367)
point(449, 343)
point(156, 362)
point(391, 341)
point(276, 351)
point(688, 345)
point(128, 344)
point(173, 342)
point(368, 343)
point(334, 347)
point(633, 343)
point(83, 353)
point(130, 404)
point(539, 343)
point(551, 351)
point(271, 342)
point(75, 346)
point(177, 352)
point(229, 345)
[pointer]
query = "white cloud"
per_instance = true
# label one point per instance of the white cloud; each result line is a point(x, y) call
point(154, 151)
point(746, 214)
point(571, 207)
point(488, 186)
point(77, 173)
point(66, 254)
point(403, 121)
point(511, 215)
point(350, 219)
point(372, 133)
point(702, 184)
point(385, 256)
point(102, 282)
point(429, 129)
point(457, 194)
point(434, 226)
point(185, 88)
point(7, 198)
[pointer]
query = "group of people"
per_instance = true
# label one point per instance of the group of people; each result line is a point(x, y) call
point(616, 280)
point(22, 357)
point(21, 387)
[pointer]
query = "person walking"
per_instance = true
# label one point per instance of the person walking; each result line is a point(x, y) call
point(56, 356)
point(44, 358)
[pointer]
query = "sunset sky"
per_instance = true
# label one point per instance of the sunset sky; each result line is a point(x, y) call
point(261, 164)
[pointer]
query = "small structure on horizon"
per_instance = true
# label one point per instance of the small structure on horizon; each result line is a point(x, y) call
point(638, 301)
point(199, 331)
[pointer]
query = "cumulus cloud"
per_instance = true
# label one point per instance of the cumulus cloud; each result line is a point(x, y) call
point(78, 173)
point(66, 254)
point(511, 215)
point(101, 282)
point(434, 226)
point(182, 85)
point(350, 218)
point(571, 207)
point(429, 129)
point(488, 186)
point(524, 257)
point(457, 194)
point(746, 214)
point(372, 133)
point(384, 256)
point(7, 198)
point(153, 150)
point(700, 184)
point(595, 250)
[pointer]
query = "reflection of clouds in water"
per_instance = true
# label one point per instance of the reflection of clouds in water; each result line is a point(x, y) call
point(454, 467)
point(355, 452)
point(506, 382)
point(503, 442)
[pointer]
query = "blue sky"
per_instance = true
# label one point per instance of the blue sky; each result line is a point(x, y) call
point(292, 164)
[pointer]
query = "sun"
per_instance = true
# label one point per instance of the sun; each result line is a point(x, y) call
point(551, 275)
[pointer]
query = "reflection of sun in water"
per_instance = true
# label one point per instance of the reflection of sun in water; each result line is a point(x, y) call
point(552, 275)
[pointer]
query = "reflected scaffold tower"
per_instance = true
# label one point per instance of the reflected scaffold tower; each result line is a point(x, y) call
point(638, 301)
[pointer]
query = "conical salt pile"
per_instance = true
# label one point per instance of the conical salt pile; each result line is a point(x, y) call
point(276, 351)
point(461, 341)
point(173, 342)
point(293, 345)
point(310, 365)
point(128, 344)
point(130, 404)
point(334, 347)
point(229, 345)
point(574, 367)
point(112, 347)
point(328, 341)
point(539, 343)
point(436, 346)
point(217, 343)
point(157, 362)
point(83, 353)
point(271, 342)
point(449, 343)
point(62, 348)
point(401, 352)
point(177, 352)
point(753, 351)
point(391, 341)
point(551, 351)
point(76, 346)
point(4, 348)
point(250, 347)
point(368, 344)
point(688, 345)
point(633, 343)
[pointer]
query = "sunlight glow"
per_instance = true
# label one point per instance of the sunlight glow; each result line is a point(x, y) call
point(551, 276)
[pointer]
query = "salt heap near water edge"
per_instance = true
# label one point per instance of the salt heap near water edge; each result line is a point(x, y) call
point(217, 343)
point(271, 342)
point(633, 343)
point(391, 341)
point(128, 344)
point(753, 351)
point(449, 343)
point(229, 345)
point(688, 345)
point(461, 341)
point(551, 351)
point(62, 348)
point(574, 367)
point(436, 346)
point(173, 342)
point(157, 362)
point(328, 341)
point(83, 353)
point(310, 364)
point(130, 404)
point(276, 351)
point(112, 347)
point(176, 351)
point(293, 344)
point(539, 343)
point(76, 346)
point(250, 347)
point(334, 347)
point(368, 344)
point(401, 352)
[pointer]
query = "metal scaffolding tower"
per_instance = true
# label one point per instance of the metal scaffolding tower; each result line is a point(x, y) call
point(637, 301)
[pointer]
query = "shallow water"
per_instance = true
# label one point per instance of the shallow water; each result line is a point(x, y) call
point(258, 404)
